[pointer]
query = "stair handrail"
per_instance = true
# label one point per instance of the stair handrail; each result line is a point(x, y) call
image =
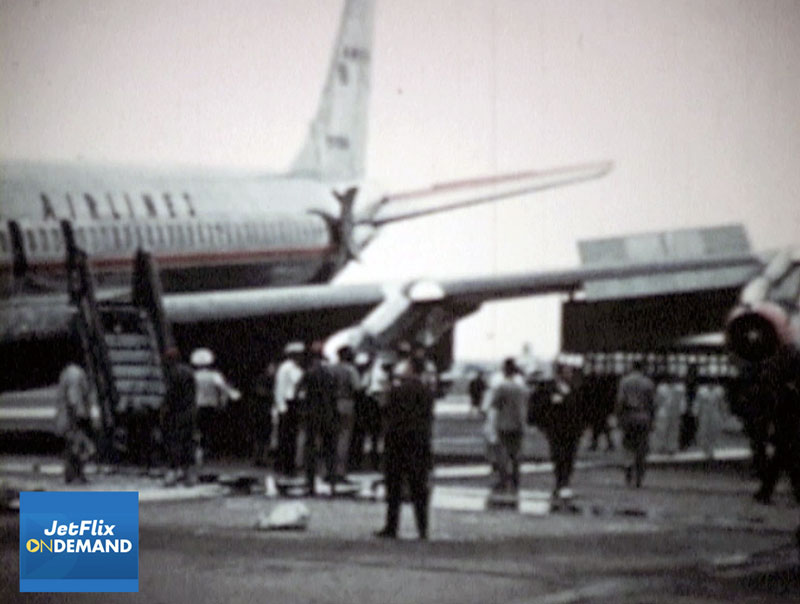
point(80, 282)
point(147, 293)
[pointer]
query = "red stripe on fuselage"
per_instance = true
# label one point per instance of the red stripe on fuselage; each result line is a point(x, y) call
point(191, 259)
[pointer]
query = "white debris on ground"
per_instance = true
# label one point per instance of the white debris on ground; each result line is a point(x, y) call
point(285, 516)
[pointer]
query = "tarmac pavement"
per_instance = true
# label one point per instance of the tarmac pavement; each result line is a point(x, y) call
point(691, 534)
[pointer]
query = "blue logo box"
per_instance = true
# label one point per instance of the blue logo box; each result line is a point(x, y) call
point(79, 542)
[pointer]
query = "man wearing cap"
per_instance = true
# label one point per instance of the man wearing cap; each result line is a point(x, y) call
point(287, 379)
point(213, 394)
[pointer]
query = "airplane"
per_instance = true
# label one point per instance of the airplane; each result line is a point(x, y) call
point(216, 231)
point(248, 258)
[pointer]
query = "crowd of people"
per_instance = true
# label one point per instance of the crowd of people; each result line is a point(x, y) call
point(635, 414)
point(308, 411)
point(173, 435)
point(304, 412)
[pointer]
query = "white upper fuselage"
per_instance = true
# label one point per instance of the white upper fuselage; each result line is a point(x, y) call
point(207, 230)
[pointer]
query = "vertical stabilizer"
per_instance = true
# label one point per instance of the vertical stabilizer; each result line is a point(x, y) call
point(334, 149)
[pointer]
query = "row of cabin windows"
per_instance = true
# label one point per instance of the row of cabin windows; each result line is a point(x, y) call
point(160, 236)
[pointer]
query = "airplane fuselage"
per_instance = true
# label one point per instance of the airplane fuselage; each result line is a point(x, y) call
point(206, 230)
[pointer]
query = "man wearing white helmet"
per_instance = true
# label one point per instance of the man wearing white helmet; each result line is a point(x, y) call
point(213, 393)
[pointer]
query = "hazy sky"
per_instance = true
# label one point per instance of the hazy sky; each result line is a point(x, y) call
point(697, 102)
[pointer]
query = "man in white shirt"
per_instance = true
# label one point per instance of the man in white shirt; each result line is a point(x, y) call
point(286, 381)
point(212, 395)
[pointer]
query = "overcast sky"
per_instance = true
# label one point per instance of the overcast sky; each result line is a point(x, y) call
point(697, 103)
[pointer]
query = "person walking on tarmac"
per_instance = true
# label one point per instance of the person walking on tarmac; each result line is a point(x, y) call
point(509, 399)
point(634, 413)
point(321, 418)
point(561, 409)
point(409, 422)
point(286, 406)
point(477, 388)
point(75, 397)
point(348, 385)
point(179, 417)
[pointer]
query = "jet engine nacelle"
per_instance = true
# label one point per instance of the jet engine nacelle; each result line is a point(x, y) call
point(755, 332)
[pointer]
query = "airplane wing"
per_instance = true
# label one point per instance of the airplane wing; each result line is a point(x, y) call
point(453, 195)
point(421, 309)
point(377, 310)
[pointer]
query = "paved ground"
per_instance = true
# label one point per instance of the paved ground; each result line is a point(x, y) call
point(692, 534)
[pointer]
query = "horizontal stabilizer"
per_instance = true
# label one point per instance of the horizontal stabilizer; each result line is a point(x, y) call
point(466, 193)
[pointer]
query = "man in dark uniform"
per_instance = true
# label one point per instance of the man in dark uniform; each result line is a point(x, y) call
point(365, 416)
point(321, 418)
point(635, 410)
point(780, 377)
point(262, 401)
point(409, 422)
point(477, 388)
point(560, 410)
point(179, 417)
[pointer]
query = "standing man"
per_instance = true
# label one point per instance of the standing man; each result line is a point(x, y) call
point(409, 422)
point(74, 419)
point(634, 413)
point(781, 377)
point(179, 417)
point(363, 414)
point(348, 384)
point(321, 418)
point(286, 402)
point(262, 401)
point(213, 394)
point(477, 388)
point(566, 421)
point(710, 413)
point(509, 399)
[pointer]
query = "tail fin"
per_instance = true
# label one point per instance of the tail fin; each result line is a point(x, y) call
point(335, 146)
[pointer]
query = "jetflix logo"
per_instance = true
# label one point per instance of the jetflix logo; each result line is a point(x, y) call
point(79, 542)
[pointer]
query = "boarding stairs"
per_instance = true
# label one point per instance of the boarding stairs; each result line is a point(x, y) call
point(134, 358)
point(122, 340)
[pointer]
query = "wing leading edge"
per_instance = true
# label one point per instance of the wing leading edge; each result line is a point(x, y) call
point(460, 295)
point(384, 304)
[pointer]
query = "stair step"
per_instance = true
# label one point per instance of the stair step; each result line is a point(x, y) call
point(139, 372)
point(139, 387)
point(127, 340)
point(110, 309)
point(141, 400)
point(142, 356)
